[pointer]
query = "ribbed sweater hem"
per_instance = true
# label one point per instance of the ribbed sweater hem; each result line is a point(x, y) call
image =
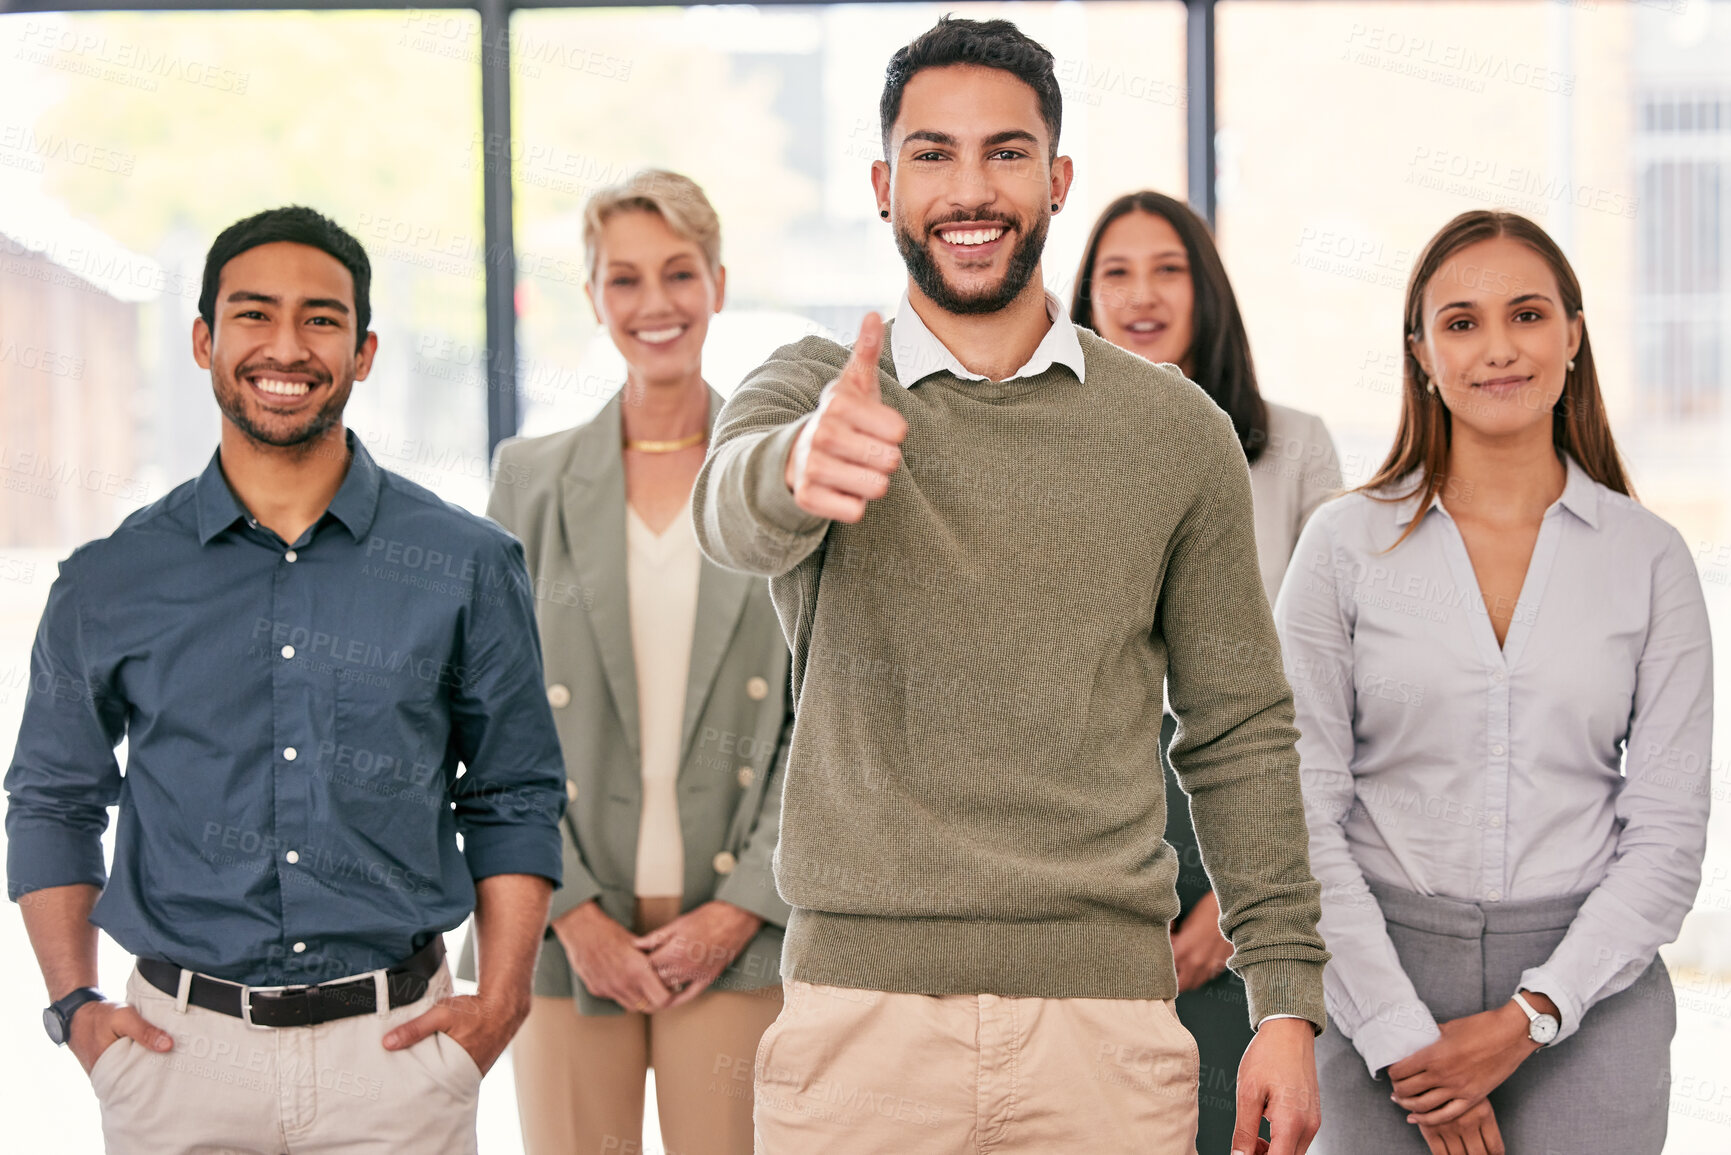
point(945, 956)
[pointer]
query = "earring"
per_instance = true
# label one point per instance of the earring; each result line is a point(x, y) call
point(1431, 385)
point(1054, 206)
point(1571, 364)
point(884, 213)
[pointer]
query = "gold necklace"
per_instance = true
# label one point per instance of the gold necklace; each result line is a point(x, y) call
point(667, 446)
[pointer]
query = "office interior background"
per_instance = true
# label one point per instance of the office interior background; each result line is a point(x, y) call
point(1327, 140)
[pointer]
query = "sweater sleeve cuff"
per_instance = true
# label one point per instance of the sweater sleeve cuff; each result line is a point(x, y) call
point(754, 890)
point(766, 479)
point(1286, 987)
point(491, 850)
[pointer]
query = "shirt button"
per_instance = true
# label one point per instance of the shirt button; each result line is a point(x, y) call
point(746, 774)
point(289, 753)
point(288, 651)
point(570, 790)
point(291, 555)
point(299, 947)
point(756, 689)
point(725, 862)
point(558, 696)
point(1495, 896)
point(1496, 676)
point(293, 856)
point(1497, 821)
point(1497, 749)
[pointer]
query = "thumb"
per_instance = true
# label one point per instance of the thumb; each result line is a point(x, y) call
point(648, 942)
point(416, 1029)
point(133, 1025)
point(861, 374)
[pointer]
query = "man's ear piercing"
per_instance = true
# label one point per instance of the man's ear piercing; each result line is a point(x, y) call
point(1054, 206)
point(884, 213)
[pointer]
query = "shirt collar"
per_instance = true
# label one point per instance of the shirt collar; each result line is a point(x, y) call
point(918, 354)
point(1580, 496)
point(356, 502)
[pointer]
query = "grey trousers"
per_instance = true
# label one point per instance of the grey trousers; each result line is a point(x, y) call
point(1604, 1089)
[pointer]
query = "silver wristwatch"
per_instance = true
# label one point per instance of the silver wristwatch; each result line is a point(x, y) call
point(1541, 1028)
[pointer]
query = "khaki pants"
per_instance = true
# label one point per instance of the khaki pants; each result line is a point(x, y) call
point(857, 1072)
point(230, 1089)
point(580, 1079)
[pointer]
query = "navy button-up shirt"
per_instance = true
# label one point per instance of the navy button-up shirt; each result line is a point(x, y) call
point(295, 717)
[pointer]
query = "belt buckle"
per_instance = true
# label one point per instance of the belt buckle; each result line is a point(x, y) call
point(246, 994)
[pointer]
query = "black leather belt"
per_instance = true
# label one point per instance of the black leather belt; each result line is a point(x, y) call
point(301, 1006)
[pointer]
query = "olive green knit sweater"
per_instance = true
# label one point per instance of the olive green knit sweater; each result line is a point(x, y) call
point(974, 800)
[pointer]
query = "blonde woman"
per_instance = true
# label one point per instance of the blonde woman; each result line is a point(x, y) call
point(668, 678)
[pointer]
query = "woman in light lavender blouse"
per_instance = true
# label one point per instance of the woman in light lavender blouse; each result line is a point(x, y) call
point(1503, 679)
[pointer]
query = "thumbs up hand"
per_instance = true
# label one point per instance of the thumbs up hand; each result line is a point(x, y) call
point(850, 446)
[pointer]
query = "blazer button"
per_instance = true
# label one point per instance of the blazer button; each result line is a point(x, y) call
point(558, 696)
point(724, 863)
point(745, 776)
point(756, 689)
point(570, 790)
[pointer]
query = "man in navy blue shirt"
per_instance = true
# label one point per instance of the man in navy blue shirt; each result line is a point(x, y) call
point(325, 676)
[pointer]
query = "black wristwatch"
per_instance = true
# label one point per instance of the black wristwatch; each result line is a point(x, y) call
point(57, 1019)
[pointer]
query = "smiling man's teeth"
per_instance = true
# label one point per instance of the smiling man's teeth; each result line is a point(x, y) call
point(281, 388)
point(972, 236)
point(658, 336)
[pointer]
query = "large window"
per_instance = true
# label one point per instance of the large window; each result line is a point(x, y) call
point(774, 112)
point(1350, 132)
point(126, 143)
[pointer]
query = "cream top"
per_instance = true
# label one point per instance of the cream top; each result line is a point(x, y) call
point(662, 573)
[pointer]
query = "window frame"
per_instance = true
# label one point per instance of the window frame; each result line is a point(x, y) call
point(504, 407)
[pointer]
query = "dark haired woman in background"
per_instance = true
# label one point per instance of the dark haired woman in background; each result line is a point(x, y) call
point(1503, 678)
point(1151, 281)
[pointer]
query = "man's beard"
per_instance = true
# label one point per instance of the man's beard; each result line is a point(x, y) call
point(231, 399)
point(1023, 260)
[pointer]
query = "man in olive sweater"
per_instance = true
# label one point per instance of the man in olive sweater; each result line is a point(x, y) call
point(991, 536)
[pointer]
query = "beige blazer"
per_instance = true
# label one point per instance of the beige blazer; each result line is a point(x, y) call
point(563, 495)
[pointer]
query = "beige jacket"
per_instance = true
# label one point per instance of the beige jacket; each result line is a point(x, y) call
point(563, 495)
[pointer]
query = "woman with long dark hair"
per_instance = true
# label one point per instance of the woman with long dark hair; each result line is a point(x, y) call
point(1503, 680)
point(1152, 282)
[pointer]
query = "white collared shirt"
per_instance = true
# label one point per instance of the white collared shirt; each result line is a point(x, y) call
point(918, 354)
point(1571, 759)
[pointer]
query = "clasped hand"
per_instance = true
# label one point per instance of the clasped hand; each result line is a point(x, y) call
point(665, 968)
point(1444, 1086)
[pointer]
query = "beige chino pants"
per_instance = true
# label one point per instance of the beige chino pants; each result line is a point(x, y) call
point(237, 1090)
point(580, 1079)
point(857, 1072)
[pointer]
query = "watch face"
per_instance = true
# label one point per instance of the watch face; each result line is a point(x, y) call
point(1542, 1029)
point(56, 1029)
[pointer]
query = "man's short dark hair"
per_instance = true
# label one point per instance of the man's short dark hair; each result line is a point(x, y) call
point(987, 43)
point(297, 225)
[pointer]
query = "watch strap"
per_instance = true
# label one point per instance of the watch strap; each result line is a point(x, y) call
point(64, 1007)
